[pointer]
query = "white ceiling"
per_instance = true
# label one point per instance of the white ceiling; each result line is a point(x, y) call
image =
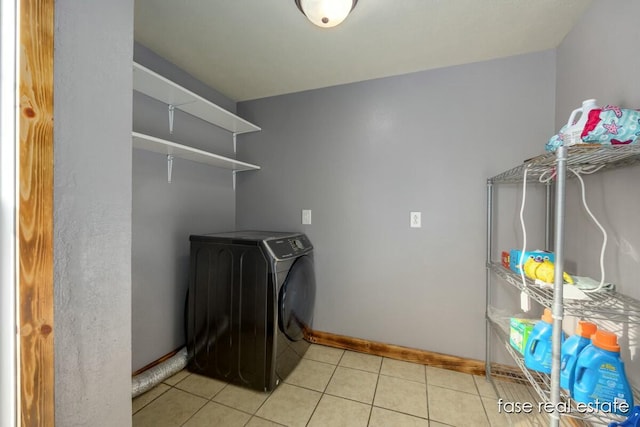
point(249, 49)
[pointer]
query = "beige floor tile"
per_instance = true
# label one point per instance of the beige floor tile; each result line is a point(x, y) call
point(214, 414)
point(362, 361)
point(171, 409)
point(146, 398)
point(456, 407)
point(385, 418)
point(516, 392)
point(321, 353)
point(451, 379)
point(290, 405)
point(513, 392)
point(311, 374)
point(496, 418)
point(261, 422)
point(353, 384)
point(437, 424)
point(176, 378)
point(241, 398)
point(401, 395)
point(405, 370)
point(499, 418)
point(484, 387)
point(201, 386)
point(337, 412)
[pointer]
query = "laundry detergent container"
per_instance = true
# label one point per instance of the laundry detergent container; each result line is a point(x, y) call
point(571, 350)
point(538, 351)
point(600, 379)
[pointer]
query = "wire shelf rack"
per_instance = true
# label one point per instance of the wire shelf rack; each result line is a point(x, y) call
point(604, 305)
point(510, 385)
point(603, 157)
point(541, 384)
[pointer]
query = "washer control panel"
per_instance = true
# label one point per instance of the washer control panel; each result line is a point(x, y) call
point(290, 246)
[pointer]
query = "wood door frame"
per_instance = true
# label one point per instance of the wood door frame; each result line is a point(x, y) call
point(35, 219)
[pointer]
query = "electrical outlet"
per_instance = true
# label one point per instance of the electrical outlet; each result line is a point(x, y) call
point(306, 216)
point(416, 220)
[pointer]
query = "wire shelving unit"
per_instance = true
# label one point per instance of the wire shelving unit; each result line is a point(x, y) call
point(605, 305)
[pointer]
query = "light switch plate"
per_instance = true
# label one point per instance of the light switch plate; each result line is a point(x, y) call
point(306, 216)
point(416, 219)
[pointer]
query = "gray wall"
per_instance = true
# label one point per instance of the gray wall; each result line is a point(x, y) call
point(92, 212)
point(200, 199)
point(612, 79)
point(362, 156)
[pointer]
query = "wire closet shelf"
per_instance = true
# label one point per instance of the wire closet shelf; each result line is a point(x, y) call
point(586, 155)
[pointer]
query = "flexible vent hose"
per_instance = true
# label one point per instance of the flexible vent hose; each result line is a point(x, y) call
point(154, 376)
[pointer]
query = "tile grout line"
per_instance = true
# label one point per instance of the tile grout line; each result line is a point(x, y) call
point(403, 379)
point(426, 389)
point(208, 400)
point(152, 400)
point(455, 389)
point(155, 398)
point(484, 408)
point(375, 391)
point(335, 368)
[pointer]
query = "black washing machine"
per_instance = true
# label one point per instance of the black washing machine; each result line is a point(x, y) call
point(250, 302)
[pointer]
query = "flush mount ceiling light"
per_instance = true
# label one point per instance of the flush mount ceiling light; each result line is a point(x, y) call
point(326, 13)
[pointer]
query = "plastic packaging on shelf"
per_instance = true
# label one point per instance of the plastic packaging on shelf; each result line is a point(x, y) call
point(608, 125)
point(571, 133)
point(632, 421)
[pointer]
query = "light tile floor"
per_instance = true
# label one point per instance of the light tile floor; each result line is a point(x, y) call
point(333, 388)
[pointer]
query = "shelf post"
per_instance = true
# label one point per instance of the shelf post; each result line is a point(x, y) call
point(487, 364)
point(558, 283)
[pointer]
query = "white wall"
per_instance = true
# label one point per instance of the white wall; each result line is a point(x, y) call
point(92, 212)
point(364, 155)
point(599, 59)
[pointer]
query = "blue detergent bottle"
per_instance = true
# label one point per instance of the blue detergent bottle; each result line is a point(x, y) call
point(570, 351)
point(537, 352)
point(600, 380)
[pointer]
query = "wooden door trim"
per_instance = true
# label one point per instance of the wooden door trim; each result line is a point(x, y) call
point(35, 221)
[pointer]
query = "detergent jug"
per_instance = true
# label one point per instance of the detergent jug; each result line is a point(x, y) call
point(570, 351)
point(573, 133)
point(537, 353)
point(600, 379)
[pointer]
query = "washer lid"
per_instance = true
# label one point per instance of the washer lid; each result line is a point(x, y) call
point(247, 235)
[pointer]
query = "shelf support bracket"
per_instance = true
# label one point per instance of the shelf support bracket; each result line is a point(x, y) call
point(171, 109)
point(169, 167)
point(234, 152)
